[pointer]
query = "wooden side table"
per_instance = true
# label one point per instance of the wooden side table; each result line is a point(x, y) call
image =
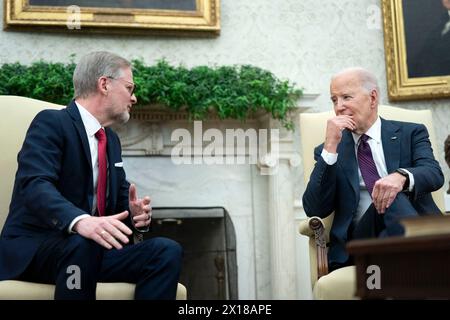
point(409, 267)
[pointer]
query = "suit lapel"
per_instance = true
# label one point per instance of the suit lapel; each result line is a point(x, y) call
point(349, 165)
point(112, 169)
point(391, 137)
point(75, 114)
point(78, 123)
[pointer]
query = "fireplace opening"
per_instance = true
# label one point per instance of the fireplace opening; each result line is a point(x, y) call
point(207, 236)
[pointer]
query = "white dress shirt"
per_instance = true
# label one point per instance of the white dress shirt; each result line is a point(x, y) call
point(91, 125)
point(376, 147)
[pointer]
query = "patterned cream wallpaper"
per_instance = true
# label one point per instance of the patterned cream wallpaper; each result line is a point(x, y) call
point(305, 41)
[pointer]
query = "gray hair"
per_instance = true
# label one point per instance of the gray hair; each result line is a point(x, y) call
point(93, 66)
point(368, 80)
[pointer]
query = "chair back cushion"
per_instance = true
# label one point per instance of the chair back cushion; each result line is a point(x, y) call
point(17, 114)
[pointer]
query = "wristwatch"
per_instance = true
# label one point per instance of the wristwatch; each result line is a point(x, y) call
point(404, 173)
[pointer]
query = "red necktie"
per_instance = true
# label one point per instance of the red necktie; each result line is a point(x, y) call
point(101, 181)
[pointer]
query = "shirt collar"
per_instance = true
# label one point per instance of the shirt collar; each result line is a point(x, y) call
point(91, 123)
point(374, 132)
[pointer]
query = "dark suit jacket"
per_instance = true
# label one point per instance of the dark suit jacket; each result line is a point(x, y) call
point(54, 184)
point(336, 187)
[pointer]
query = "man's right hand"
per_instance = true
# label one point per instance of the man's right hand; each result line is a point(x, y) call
point(106, 231)
point(335, 126)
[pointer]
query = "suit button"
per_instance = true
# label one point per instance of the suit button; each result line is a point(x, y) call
point(55, 222)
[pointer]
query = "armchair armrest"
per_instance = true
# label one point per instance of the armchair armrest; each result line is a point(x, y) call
point(314, 228)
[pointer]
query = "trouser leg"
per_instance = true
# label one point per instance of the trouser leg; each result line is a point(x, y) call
point(71, 263)
point(373, 225)
point(154, 265)
point(399, 209)
point(75, 265)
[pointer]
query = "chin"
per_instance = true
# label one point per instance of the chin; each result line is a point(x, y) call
point(123, 118)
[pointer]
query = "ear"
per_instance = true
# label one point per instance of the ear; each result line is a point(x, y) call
point(373, 98)
point(102, 85)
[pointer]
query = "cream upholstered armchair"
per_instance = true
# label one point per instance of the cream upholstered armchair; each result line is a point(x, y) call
point(341, 283)
point(17, 113)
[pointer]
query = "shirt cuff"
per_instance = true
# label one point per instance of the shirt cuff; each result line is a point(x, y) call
point(69, 229)
point(411, 181)
point(329, 158)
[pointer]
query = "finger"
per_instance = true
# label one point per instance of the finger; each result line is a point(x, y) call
point(132, 196)
point(343, 123)
point(350, 124)
point(122, 227)
point(116, 233)
point(119, 216)
point(141, 217)
point(352, 121)
point(146, 200)
point(110, 239)
point(376, 194)
point(392, 196)
point(141, 224)
point(97, 238)
point(382, 200)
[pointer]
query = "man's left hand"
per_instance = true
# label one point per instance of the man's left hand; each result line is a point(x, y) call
point(141, 211)
point(386, 189)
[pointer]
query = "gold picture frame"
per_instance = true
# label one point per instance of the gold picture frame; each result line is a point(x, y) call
point(414, 70)
point(161, 17)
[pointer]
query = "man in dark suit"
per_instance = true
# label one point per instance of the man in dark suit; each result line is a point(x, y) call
point(72, 211)
point(370, 171)
point(433, 58)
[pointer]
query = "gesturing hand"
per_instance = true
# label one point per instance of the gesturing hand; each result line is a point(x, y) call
point(106, 231)
point(141, 211)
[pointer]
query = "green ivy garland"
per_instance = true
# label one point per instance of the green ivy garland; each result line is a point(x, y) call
point(231, 91)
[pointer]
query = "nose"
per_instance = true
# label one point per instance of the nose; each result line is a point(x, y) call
point(339, 106)
point(133, 98)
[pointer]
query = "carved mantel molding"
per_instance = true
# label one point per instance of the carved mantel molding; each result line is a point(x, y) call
point(149, 131)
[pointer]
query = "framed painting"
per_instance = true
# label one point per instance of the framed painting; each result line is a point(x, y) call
point(169, 17)
point(417, 48)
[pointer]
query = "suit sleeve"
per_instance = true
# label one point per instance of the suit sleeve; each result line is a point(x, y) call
point(320, 193)
point(39, 168)
point(428, 176)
